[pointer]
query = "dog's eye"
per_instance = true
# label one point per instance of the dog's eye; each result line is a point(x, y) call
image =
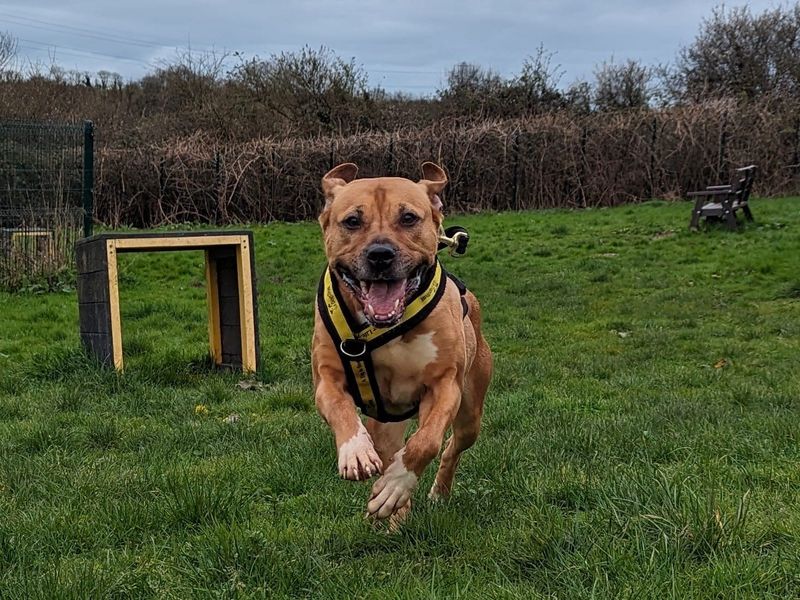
point(408, 219)
point(352, 222)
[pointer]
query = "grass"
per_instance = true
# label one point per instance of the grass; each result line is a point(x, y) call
point(641, 438)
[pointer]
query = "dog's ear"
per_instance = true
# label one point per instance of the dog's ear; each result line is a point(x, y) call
point(337, 177)
point(434, 179)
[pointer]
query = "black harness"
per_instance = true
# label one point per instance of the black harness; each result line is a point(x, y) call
point(355, 341)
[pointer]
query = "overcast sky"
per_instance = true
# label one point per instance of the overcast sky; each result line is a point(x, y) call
point(403, 45)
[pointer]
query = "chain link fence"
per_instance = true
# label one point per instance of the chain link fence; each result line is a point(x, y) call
point(46, 189)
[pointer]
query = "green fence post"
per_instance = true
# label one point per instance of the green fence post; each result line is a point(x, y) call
point(88, 177)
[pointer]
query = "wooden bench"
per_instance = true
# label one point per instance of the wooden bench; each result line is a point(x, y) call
point(721, 202)
point(230, 290)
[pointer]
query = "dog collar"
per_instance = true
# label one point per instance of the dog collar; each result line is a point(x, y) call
point(355, 341)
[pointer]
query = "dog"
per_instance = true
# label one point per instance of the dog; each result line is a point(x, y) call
point(399, 350)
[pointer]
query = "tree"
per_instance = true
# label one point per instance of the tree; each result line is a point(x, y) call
point(312, 90)
point(469, 77)
point(185, 90)
point(738, 54)
point(108, 80)
point(8, 50)
point(625, 85)
point(478, 93)
point(538, 81)
point(578, 97)
point(474, 92)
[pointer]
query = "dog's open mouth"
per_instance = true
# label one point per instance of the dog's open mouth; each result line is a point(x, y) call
point(383, 300)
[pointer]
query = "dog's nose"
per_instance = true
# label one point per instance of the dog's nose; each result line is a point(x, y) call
point(380, 256)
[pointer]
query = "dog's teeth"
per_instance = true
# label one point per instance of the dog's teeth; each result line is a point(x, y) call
point(391, 314)
point(364, 287)
point(396, 305)
point(371, 310)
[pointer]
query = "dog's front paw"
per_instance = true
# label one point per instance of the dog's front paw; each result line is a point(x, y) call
point(357, 457)
point(438, 492)
point(392, 491)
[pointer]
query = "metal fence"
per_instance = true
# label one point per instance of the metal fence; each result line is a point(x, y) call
point(46, 198)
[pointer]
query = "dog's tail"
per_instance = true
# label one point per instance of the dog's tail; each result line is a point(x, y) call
point(474, 312)
point(483, 363)
point(475, 318)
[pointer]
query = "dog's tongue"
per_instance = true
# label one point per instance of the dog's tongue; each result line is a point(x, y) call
point(384, 298)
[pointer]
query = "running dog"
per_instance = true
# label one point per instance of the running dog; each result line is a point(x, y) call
point(394, 336)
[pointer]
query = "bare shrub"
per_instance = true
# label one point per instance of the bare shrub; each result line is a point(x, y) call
point(538, 82)
point(312, 91)
point(622, 85)
point(474, 92)
point(558, 159)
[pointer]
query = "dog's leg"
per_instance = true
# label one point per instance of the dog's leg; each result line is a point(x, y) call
point(466, 427)
point(388, 439)
point(465, 431)
point(357, 456)
point(393, 490)
point(467, 424)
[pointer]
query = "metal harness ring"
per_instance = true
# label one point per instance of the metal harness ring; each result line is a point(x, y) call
point(359, 354)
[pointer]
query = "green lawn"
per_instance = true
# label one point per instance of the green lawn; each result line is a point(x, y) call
point(641, 437)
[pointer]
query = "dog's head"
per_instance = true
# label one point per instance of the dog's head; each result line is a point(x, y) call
point(381, 236)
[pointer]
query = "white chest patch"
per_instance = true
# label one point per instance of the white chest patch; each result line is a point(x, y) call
point(411, 356)
point(401, 364)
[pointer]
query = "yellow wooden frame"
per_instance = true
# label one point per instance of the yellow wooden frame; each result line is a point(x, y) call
point(30, 233)
point(247, 311)
point(18, 237)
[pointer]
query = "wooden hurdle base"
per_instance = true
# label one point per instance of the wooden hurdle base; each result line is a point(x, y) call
point(230, 287)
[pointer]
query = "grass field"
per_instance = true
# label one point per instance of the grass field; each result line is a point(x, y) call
point(641, 437)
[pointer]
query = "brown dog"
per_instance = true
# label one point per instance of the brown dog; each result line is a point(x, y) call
point(381, 238)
